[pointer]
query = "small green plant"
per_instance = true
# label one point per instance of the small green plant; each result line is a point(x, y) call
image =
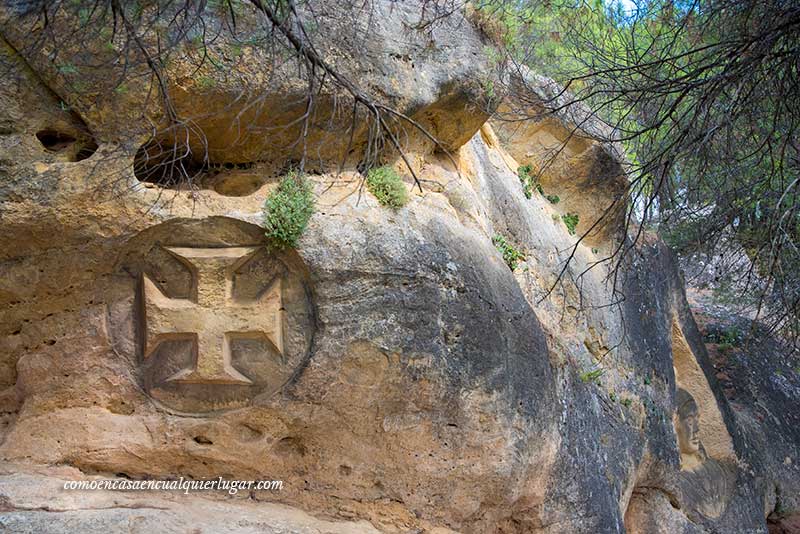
point(626, 402)
point(387, 186)
point(571, 221)
point(524, 173)
point(488, 90)
point(726, 339)
point(647, 381)
point(68, 68)
point(84, 14)
point(511, 255)
point(197, 40)
point(595, 251)
point(529, 182)
point(553, 199)
point(287, 210)
point(206, 82)
point(731, 335)
point(592, 375)
point(725, 348)
point(612, 396)
point(779, 508)
point(138, 10)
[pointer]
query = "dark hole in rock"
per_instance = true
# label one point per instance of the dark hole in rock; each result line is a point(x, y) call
point(54, 141)
point(87, 149)
point(169, 166)
point(202, 440)
point(175, 167)
point(238, 166)
point(76, 149)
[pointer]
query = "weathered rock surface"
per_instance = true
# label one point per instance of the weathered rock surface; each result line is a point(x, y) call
point(760, 381)
point(394, 373)
point(35, 501)
point(237, 103)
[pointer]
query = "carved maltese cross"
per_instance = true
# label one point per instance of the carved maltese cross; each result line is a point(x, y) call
point(211, 318)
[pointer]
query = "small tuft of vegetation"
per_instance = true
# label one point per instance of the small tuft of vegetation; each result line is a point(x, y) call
point(287, 210)
point(571, 221)
point(387, 186)
point(523, 171)
point(731, 335)
point(529, 182)
point(511, 255)
point(68, 68)
point(206, 82)
point(592, 375)
point(726, 339)
point(553, 199)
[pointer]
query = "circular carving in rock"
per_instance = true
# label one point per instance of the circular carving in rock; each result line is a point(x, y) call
point(218, 319)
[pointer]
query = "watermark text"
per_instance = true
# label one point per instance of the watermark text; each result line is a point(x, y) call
point(181, 484)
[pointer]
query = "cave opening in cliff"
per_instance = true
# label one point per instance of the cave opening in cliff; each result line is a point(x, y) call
point(176, 166)
point(167, 165)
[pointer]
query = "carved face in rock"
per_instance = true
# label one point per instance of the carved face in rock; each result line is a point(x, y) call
point(705, 485)
point(687, 423)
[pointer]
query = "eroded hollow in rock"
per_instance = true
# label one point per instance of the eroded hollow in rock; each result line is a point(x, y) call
point(75, 149)
point(585, 175)
point(175, 166)
point(54, 141)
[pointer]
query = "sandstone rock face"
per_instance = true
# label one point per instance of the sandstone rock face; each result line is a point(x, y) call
point(392, 370)
point(31, 492)
point(240, 105)
point(563, 153)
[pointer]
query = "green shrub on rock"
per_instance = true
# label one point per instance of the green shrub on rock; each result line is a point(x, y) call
point(287, 211)
point(571, 221)
point(387, 186)
point(511, 255)
point(529, 181)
